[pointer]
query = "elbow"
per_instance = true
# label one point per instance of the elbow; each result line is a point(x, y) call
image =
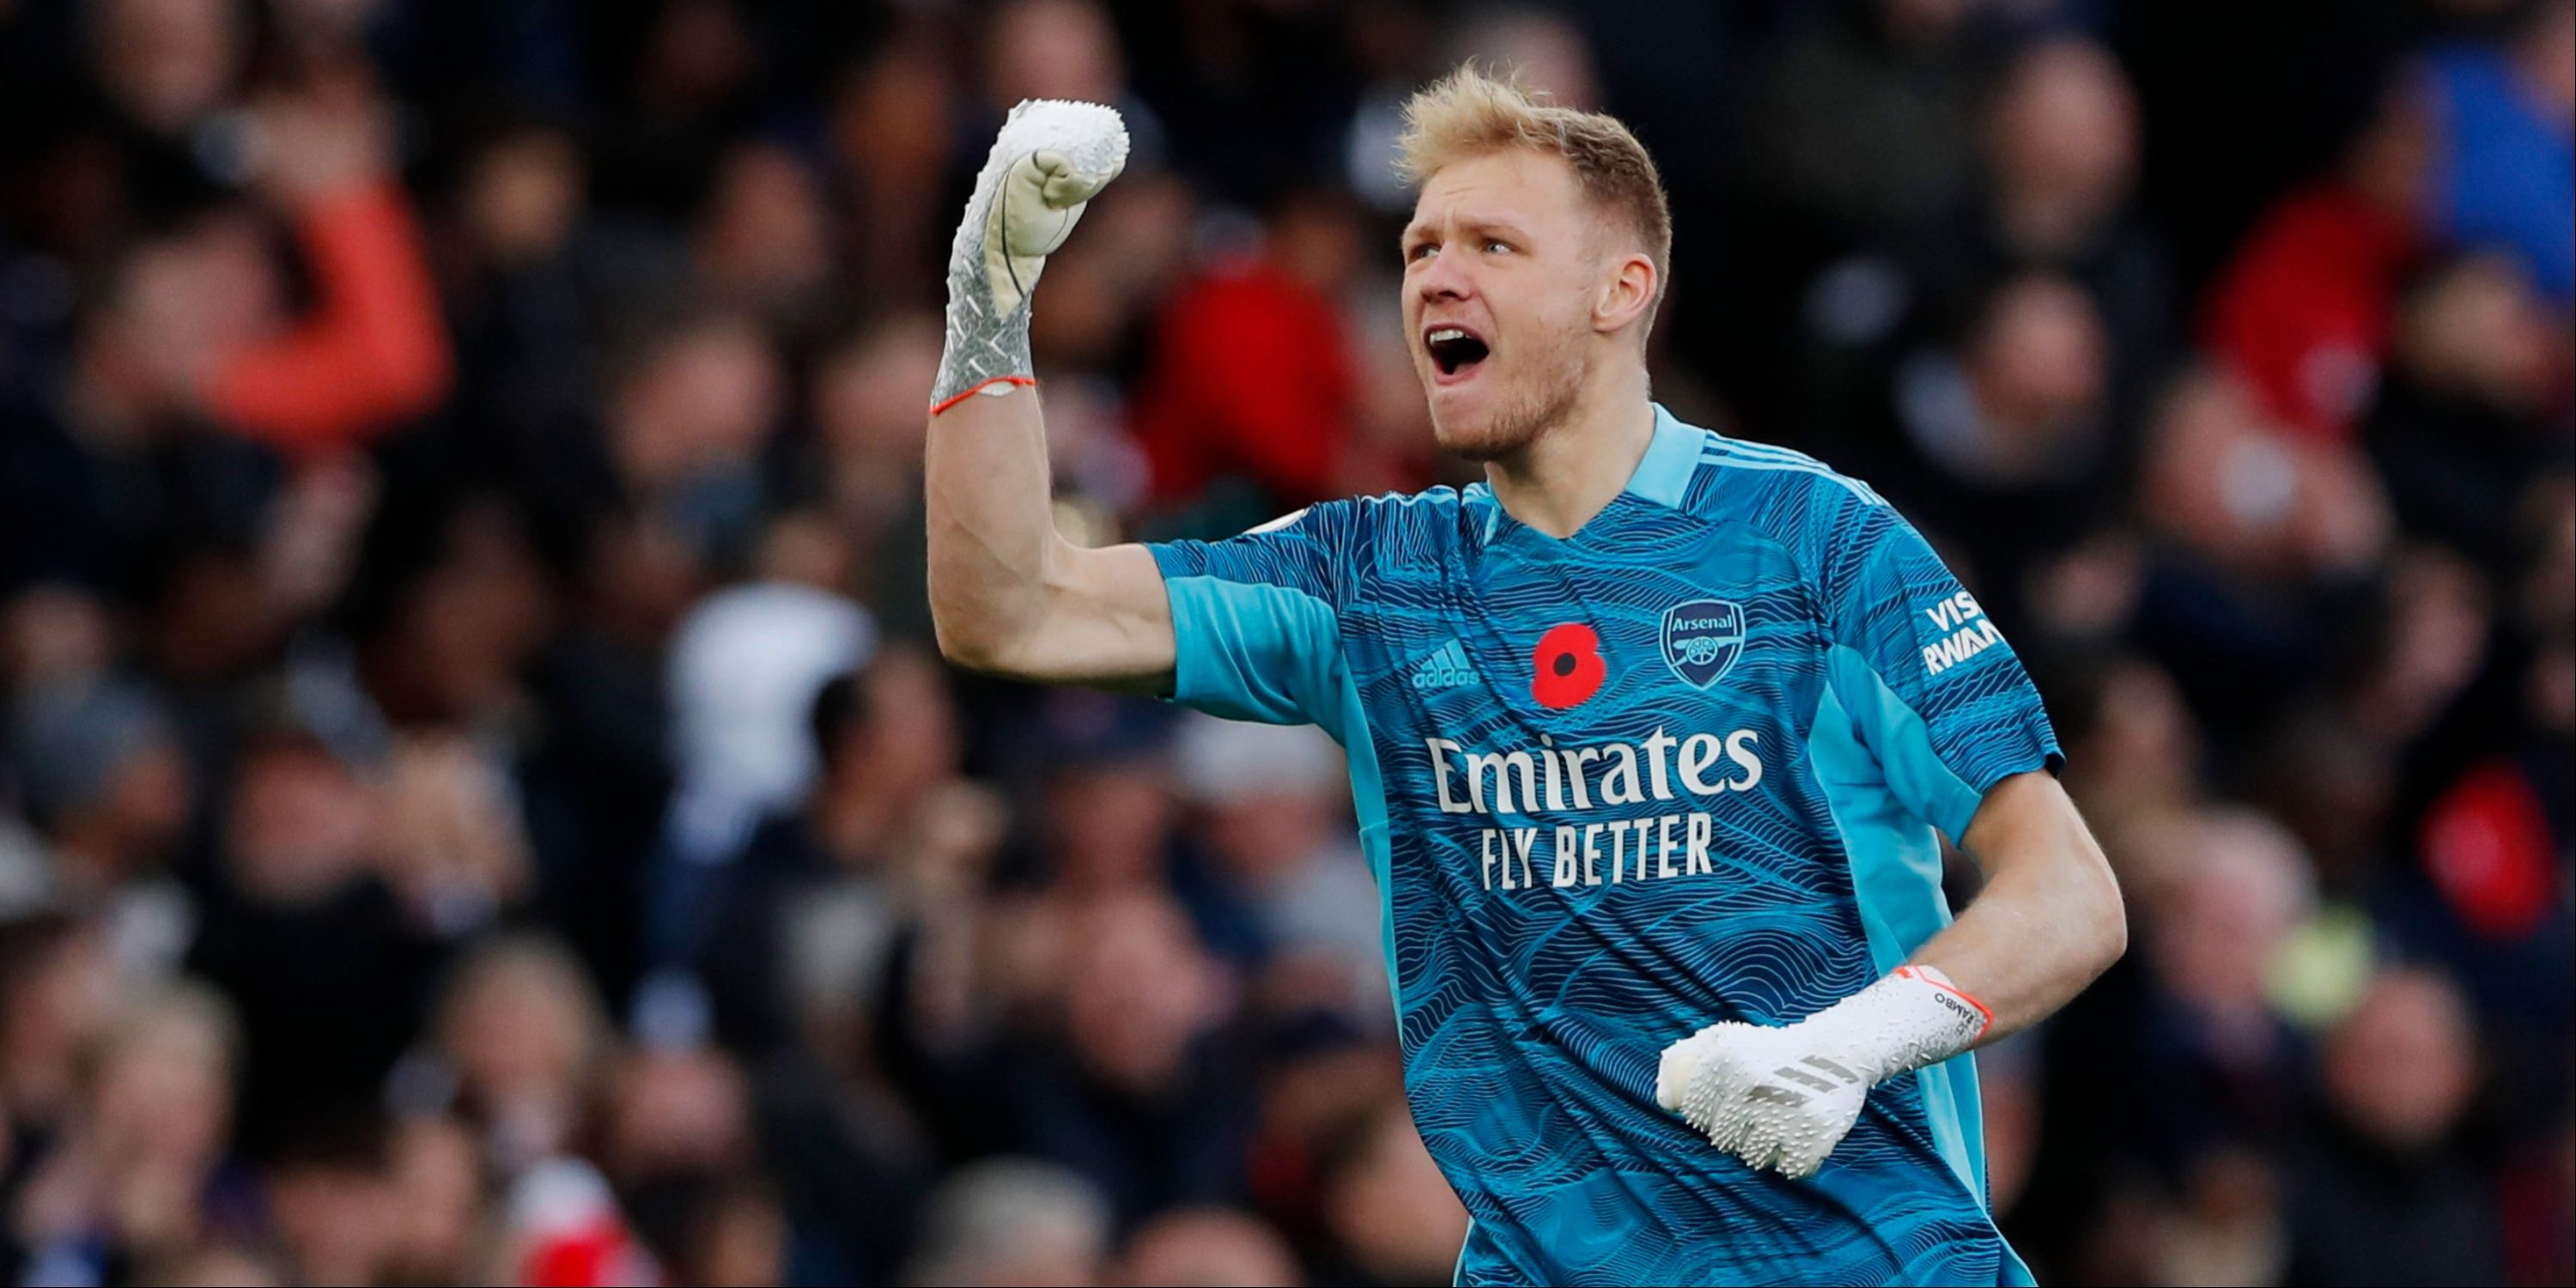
point(960, 639)
point(984, 619)
point(2112, 943)
point(970, 640)
point(963, 648)
point(2109, 922)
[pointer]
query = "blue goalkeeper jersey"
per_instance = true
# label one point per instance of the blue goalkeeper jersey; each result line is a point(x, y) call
point(1683, 766)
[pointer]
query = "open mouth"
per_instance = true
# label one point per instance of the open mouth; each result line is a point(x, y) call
point(1454, 350)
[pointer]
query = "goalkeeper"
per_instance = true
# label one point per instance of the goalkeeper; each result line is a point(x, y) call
point(1651, 733)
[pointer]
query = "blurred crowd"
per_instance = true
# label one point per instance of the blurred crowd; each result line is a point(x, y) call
point(477, 802)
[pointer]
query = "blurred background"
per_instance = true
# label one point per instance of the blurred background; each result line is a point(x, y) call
point(477, 802)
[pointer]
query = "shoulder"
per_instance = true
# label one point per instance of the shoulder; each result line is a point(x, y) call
point(1784, 495)
point(1329, 542)
point(1346, 519)
point(1430, 500)
point(1395, 526)
point(1738, 474)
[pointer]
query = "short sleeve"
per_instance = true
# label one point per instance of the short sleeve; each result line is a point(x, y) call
point(1255, 623)
point(1934, 692)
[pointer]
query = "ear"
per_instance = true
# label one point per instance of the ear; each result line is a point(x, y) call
point(1627, 295)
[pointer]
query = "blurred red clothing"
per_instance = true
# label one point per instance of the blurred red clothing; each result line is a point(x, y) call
point(1252, 377)
point(2303, 310)
point(373, 350)
point(2487, 846)
point(569, 1232)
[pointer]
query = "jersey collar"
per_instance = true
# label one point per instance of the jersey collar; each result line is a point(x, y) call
point(1670, 460)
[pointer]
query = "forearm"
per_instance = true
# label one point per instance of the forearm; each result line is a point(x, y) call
point(2049, 920)
point(2032, 940)
point(992, 532)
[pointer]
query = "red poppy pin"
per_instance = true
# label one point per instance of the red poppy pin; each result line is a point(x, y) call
point(1567, 669)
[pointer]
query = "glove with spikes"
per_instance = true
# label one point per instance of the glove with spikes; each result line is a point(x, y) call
point(1049, 160)
point(1782, 1098)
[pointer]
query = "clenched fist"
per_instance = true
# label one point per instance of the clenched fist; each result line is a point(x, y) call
point(1050, 159)
point(1782, 1098)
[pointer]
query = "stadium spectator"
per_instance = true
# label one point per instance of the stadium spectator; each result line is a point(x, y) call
point(111, 791)
point(2303, 309)
point(2382, 1192)
point(2224, 890)
point(2058, 140)
point(2460, 426)
point(1390, 1216)
point(1208, 1246)
point(2002, 443)
point(2261, 545)
point(1274, 816)
point(2506, 113)
point(437, 1173)
point(147, 1174)
point(1013, 1221)
point(1253, 380)
point(1146, 1096)
point(373, 349)
point(521, 1050)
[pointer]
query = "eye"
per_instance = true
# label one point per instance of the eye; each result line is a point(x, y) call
point(1421, 251)
point(1496, 243)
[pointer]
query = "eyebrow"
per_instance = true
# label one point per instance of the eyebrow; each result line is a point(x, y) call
point(1474, 223)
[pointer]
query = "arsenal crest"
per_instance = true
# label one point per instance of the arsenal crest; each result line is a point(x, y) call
point(1702, 639)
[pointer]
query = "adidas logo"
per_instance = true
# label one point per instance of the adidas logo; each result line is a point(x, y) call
point(1445, 669)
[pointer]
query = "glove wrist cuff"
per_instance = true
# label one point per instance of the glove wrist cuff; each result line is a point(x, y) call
point(994, 385)
point(1912, 1017)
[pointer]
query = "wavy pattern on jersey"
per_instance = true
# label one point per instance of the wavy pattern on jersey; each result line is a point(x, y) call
point(1873, 573)
point(1531, 1019)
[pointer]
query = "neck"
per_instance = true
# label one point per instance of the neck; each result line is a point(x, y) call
point(1574, 468)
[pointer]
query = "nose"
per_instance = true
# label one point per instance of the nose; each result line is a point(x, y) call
point(1444, 278)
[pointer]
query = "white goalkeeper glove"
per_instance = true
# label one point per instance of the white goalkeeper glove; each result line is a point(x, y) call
point(1782, 1098)
point(1049, 160)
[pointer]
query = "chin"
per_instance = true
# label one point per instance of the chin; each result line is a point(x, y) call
point(1477, 426)
point(1469, 436)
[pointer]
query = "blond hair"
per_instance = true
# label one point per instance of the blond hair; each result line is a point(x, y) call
point(1469, 114)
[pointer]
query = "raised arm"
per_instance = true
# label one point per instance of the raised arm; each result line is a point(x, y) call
point(1008, 594)
point(373, 349)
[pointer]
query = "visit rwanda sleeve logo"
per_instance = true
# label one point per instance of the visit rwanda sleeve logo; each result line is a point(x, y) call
point(1702, 639)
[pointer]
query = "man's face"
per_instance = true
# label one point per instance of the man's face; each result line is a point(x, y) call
point(1503, 266)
